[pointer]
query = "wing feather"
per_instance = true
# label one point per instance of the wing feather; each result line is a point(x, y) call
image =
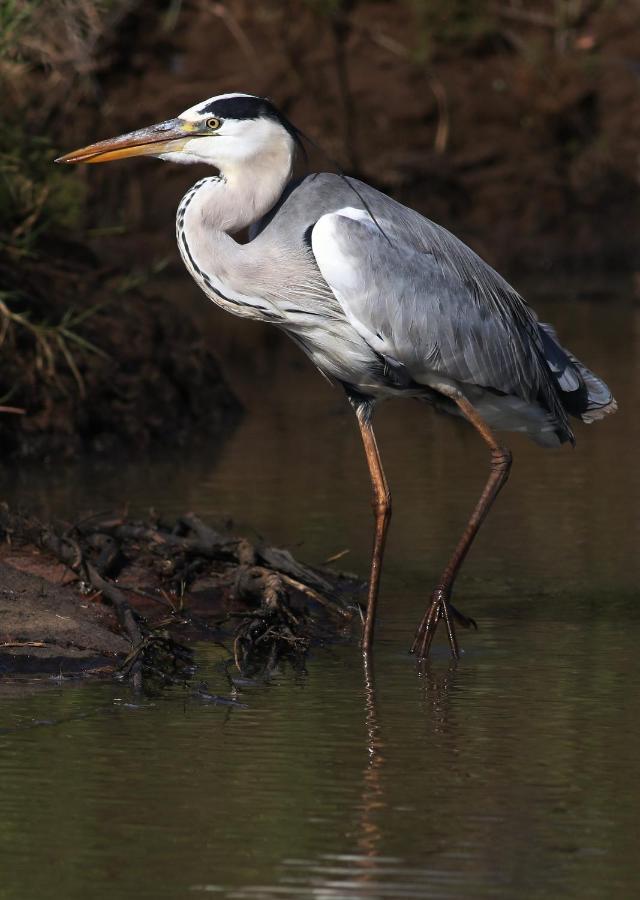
point(420, 296)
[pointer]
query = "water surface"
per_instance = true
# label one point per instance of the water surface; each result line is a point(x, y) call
point(513, 773)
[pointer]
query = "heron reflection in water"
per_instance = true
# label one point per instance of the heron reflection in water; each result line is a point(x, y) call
point(385, 302)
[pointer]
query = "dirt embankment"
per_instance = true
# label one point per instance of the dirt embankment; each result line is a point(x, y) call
point(517, 128)
point(91, 365)
point(93, 357)
point(109, 594)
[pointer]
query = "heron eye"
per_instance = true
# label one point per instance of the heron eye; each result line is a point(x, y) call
point(213, 123)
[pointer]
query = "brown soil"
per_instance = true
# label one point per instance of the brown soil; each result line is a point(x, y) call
point(45, 626)
point(518, 130)
point(142, 379)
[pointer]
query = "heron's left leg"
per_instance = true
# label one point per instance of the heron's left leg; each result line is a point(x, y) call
point(439, 607)
point(381, 512)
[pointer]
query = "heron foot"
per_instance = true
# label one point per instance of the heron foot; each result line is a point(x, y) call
point(440, 608)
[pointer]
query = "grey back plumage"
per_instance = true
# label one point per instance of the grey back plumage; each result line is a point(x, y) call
point(425, 303)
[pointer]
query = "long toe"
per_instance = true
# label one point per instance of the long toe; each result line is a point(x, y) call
point(446, 614)
point(426, 639)
point(427, 628)
point(426, 624)
point(439, 609)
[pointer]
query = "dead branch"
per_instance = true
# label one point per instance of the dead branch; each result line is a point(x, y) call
point(277, 604)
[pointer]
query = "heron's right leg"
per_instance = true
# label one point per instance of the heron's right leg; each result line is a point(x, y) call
point(381, 512)
point(440, 607)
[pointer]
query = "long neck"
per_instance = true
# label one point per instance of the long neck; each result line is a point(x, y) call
point(215, 208)
point(244, 193)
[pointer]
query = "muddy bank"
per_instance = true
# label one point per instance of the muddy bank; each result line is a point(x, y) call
point(94, 358)
point(518, 129)
point(110, 595)
point(92, 365)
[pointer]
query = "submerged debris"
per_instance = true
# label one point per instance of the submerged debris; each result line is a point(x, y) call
point(161, 586)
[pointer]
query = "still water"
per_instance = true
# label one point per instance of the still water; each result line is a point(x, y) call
point(513, 773)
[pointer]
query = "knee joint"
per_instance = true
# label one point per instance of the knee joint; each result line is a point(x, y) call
point(501, 459)
point(382, 506)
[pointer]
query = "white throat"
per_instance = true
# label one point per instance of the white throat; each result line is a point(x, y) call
point(217, 207)
point(248, 186)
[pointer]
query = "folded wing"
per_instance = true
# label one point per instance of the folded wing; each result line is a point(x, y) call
point(422, 299)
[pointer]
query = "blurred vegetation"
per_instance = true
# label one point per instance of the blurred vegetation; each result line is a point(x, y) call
point(35, 199)
point(537, 68)
point(41, 207)
point(514, 124)
point(50, 54)
point(70, 377)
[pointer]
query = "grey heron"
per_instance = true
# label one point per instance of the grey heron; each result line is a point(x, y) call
point(385, 302)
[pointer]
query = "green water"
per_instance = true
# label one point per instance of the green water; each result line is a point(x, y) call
point(513, 773)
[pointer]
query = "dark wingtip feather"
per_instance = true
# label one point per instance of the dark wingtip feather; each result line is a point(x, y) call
point(590, 399)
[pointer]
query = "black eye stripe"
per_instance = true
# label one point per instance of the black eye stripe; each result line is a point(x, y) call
point(249, 108)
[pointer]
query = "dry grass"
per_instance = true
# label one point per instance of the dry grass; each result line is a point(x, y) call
point(50, 54)
point(50, 342)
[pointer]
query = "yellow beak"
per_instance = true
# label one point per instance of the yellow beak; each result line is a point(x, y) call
point(166, 137)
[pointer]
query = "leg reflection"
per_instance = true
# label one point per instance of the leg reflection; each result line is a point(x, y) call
point(436, 685)
point(372, 798)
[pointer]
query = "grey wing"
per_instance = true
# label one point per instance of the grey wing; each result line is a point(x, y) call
point(421, 298)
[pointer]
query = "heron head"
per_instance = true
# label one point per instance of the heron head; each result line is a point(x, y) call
point(226, 131)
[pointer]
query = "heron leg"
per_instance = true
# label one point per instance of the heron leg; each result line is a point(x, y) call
point(439, 606)
point(381, 513)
